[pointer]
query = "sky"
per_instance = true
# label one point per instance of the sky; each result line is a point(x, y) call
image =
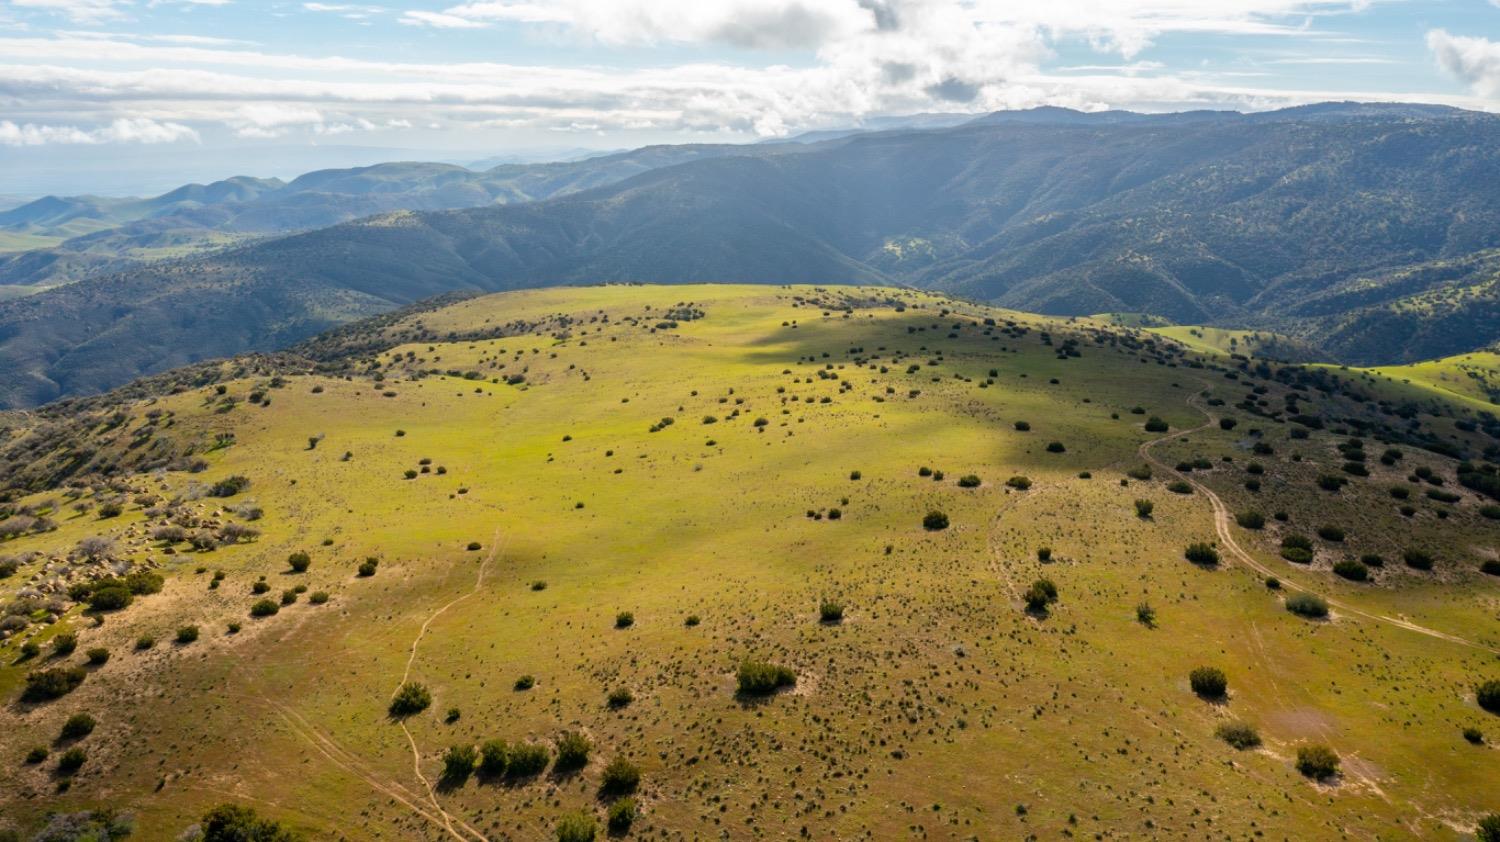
point(100, 89)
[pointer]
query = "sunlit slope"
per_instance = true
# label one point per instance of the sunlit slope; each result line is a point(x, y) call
point(527, 466)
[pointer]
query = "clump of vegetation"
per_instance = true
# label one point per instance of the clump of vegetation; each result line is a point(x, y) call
point(1417, 559)
point(458, 764)
point(1297, 548)
point(758, 678)
point(619, 697)
point(1318, 762)
point(1352, 570)
point(1145, 615)
point(620, 777)
point(1201, 553)
point(576, 827)
point(494, 758)
point(969, 481)
point(1040, 595)
point(299, 561)
point(78, 726)
point(1143, 509)
point(411, 698)
point(47, 684)
point(1156, 425)
point(1241, 735)
point(1208, 682)
point(1179, 487)
point(1307, 605)
point(71, 760)
point(1488, 695)
point(572, 751)
point(264, 608)
point(621, 815)
point(935, 521)
point(1018, 482)
point(187, 634)
point(525, 682)
point(1251, 520)
point(624, 620)
point(527, 759)
point(1331, 533)
point(830, 611)
point(233, 823)
point(1488, 829)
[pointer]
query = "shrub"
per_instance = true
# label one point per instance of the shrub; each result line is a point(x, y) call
point(572, 751)
point(187, 634)
point(1145, 615)
point(64, 644)
point(1488, 695)
point(576, 827)
point(935, 521)
point(1251, 520)
point(830, 611)
point(1372, 560)
point(1041, 594)
point(233, 823)
point(1208, 682)
point(1241, 735)
point(620, 776)
point(969, 481)
point(475, 546)
point(1352, 570)
point(78, 726)
point(1490, 511)
point(854, 476)
point(144, 642)
point(527, 759)
point(260, 586)
point(1179, 487)
point(691, 620)
point(624, 620)
point(1228, 423)
point(1019, 483)
point(1056, 447)
point(494, 758)
point(109, 598)
point(758, 678)
point(1331, 533)
point(1201, 553)
point(264, 608)
point(1141, 473)
point(622, 815)
point(525, 682)
point(1307, 605)
point(1023, 426)
point(98, 656)
point(37, 754)
point(1417, 559)
point(619, 697)
point(71, 760)
point(1156, 425)
point(1490, 566)
point(229, 486)
point(1474, 735)
point(1143, 509)
point(318, 597)
point(55, 683)
point(367, 567)
point(1488, 829)
point(411, 698)
point(299, 561)
point(458, 763)
point(1329, 482)
point(1317, 762)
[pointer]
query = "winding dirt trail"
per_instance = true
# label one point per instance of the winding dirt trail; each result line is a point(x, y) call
point(1226, 537)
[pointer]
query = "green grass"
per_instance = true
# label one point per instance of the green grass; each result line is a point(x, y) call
point(938, 702)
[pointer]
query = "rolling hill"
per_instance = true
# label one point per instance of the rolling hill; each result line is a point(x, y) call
point(1328, 224)
point(751, 561)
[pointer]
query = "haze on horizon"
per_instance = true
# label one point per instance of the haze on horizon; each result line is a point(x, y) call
point(178, 90)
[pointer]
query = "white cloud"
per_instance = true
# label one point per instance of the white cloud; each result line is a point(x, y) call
point(1474, 60)
point(81, 11)
point(122, 130)
point(440, 20)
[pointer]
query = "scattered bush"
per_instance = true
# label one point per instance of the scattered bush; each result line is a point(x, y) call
point(969, 481)
point(1208, 682)
point(64, 644)
point(1019, 483)
point(624, 620)
point(935, 521)
point(1488, 829)
point(1143, 509)
point(458, 763)
point(576, 827)
point(299, 561)
point(1490, 566)
point(1307, 605)
point(1417, 559)
point(1318, 762)
point(37, 754)
point(411, 698)
point(233, 823)
point(620, 777)
point(1179, 487)
point(1055, 447)
point(1488, 695)
point(527, 759)
point(43, 685)
point(1331, 533)
point(1023, 426)
point(367, 567)
point(71, 760)
point(622, 815)
point(619, 697)
point(264, 608)
point(1156, 425)
point(1241, 735)
point(494, 758)
point(1251, 520)
point(98, 656)
point(758, 678)
point(525, 682)
point(830, 611)
point(1201, 553)
point(1352, 570)
point(109, 598)
point(78, 726)
point(187, 634)
point(1145, 615)
point(572, 751)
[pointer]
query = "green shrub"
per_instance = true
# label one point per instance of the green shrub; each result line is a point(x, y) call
point(1488, 829)
point(1019, 482)
point(1201, 553)
point(299, 561)
point(969, 481)
point(1208, 682)
point(1023, 426)
point(758, 678)
point(78, 726)
point(1331, 533)
point(1352, 570)
point(935, 521)
point(1179, 487)
point(830, 611)
point(37, 754)
point(233, 823)
point(691, 620)
point(1143, 509)
point(98, 656)
point(1490, 511)
point(1055, 447)
point(1251, 520)
point(525, 682)
point(624, 620)
point(622, 815)
point(458, 763)
point(1241, 735)
point(620, 777)
point(572, 751)
point(318, 597)
point(619, 697)
point(1417, 559)
point(109, 598)
point(187, 634)
point(1488, 695)
point(494, 758)
point(411, 698)
point(1329, 482)
point(1307, 605)
point(1145, 615)
point(1318, 762)
point(264, 608)
point(1156, 425)
point(43, 685)
point(1490, 566)
point(1141, 473)
point(367, 567)
point(527, 759)
point(1372, 560)
point(1474, 735)
point(576, 827)
point(64, 644)
point(71, 760)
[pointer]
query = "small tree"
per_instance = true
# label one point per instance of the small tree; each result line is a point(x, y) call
point(1307, 605)
point(1143, 509)
point(935, 521)
point(1488, 829)
point(494, 758)
point(1318, 762)
point(622, 815)
point(411, 698)
point(1488, 695)
point(527, 759)
point(620, 777)
point(577, 827)
point(1241, 735)
point(1208, 682)
point(1201, 553)
point(572, 751)
point(458, 764)
point(299, 561)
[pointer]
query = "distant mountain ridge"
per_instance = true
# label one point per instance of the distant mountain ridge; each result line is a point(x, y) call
point(1366, 230)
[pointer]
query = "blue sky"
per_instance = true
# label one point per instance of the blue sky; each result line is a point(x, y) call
point(147, 80)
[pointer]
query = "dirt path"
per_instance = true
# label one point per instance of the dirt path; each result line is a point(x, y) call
point(1226, 537)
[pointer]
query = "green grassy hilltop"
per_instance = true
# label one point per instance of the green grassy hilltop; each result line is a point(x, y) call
point(599, 512)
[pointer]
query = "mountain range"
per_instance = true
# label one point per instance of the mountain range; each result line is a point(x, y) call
point(1370, 231)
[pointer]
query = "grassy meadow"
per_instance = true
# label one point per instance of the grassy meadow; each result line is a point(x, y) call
point(718, 462)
